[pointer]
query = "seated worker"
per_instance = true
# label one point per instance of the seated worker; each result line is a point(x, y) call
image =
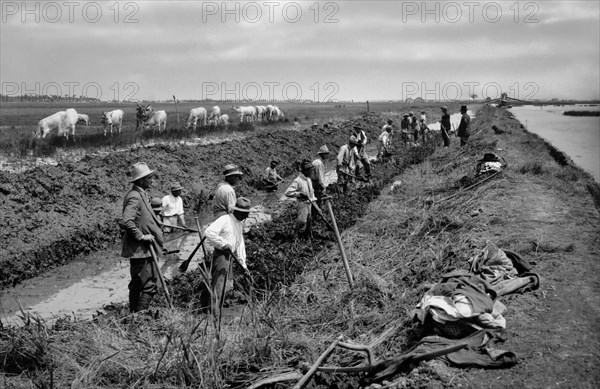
point(271, 178)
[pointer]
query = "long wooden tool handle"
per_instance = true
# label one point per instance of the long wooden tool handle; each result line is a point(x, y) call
point(339, 240)
point(201, 238)
point(160, 276)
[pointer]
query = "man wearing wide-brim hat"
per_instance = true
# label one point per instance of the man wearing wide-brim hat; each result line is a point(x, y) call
point(319, 173)
point(172, 204)
point(141, 228)
point(405, 127)
point(464, 128)
point(224, 200)
point(346, 163)
point(226, 236)
point(302, 190)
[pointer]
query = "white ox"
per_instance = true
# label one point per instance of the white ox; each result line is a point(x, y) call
point(195, 115)
point(224, 119)
point(276, 113)
point(82, 118)
point(71, 117)
point(49, 123)
point(245, 112)
point(215, 113)
point(112, 119)
point(268, 109)
point(156, 118)
point(261, 112)
point(64, 121)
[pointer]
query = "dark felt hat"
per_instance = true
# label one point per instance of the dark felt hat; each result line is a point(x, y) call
point(489, 157)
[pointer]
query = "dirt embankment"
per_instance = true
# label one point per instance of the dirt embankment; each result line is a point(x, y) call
point(52, 214)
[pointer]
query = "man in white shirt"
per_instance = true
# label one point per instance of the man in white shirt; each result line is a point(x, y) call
point(172, 208)
point(319, 173)
point(346, 162)
point(302, 189)
point(271, 178)
point(226, 236)
point(384, 141)
point(224, 200)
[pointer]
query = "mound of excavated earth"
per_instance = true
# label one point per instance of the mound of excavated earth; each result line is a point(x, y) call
point(52, 214)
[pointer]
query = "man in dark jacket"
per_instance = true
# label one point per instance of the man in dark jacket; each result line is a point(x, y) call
point(464, 128)
point(445, 126)
point(141, 229)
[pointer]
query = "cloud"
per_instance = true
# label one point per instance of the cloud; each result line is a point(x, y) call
point(369, 48)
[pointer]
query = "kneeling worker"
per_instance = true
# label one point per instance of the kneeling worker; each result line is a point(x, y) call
point(271, 178)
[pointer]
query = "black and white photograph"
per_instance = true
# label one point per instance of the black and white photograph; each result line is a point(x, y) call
point(299, 194)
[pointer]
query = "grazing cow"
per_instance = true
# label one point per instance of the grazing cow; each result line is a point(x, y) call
point(82, 118)
point(215, 113)
point(112, 119)
point(261, 112)
point(156, 118)
point(140, 115)
point(276, 113)
point(248, 112)
point(224, 120)
point(68, 124)
point(195, 115)
point(268, 111)
point(49, 123)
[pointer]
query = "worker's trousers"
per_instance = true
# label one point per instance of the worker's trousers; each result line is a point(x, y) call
point(304, 219)
point(220, 272)
point(142, 286)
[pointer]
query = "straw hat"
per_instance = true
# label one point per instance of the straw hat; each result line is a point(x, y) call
point(444, 108)
point(139, 170)
point(323, 150)
point(242, 204)
point(353, 140)
point(176, 186)
point(232, 170)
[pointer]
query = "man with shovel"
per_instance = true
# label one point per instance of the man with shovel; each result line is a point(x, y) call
point(226, 235)
point(346, 163)
point(141, 232)
point(302, 189)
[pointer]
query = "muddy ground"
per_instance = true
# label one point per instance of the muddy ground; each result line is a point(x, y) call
point(52, 214)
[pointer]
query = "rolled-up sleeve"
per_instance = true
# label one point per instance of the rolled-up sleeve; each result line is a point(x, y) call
point(213, 233)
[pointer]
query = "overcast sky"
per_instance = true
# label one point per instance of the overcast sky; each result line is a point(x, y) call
point(326, 50)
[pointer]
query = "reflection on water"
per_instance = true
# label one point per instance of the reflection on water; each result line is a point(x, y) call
point(576, 136)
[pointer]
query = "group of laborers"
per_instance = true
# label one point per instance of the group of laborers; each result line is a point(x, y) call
point(142, 238)
point(144, 221)
point(413, 128)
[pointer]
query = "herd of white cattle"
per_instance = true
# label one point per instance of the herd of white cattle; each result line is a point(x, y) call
point(147, 117)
